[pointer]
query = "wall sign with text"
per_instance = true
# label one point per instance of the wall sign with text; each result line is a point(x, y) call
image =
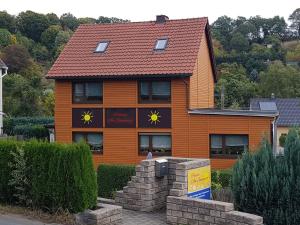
point(120, 118)
point(87, 118)
point(155, 117)
point(199, 183)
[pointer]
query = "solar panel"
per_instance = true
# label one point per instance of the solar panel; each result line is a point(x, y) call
point(268, 106)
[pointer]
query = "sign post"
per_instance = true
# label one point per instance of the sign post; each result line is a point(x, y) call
point(199, 183)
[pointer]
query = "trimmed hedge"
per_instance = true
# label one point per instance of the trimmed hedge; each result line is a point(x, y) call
point(6, 158)
point(30, 127)
point(31, 131)
point(112, 178)
point(59, 175)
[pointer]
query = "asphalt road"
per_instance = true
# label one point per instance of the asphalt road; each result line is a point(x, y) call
point(9, 219)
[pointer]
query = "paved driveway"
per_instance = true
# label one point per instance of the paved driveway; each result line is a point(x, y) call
point(129, 218)
point(9, 219)
point(143, 218)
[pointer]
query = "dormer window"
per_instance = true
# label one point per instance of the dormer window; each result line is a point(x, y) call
point(161, 44)
point(102, 46)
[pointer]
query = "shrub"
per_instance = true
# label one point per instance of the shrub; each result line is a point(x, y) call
point(268, 185)
point(282, 140)
point(58, 176)
point(26, 125)
point(31, 131)
point(61, 176)
point(6, 159)
point(221, 178)
point(112, 178)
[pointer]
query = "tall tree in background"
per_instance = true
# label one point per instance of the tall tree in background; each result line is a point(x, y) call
point(283, 81)
point(7, 21)
point(16, 58)
point(5, 37)
point(53, 19)
point(295, 19)
point(238, 88)
point(68, 21)
point(221, 30)
point(32, 24)
point(239, 43)
point(48, 36)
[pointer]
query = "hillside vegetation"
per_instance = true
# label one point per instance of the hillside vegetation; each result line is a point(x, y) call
point(251, 55)
point(29, 44)
point(256, 57)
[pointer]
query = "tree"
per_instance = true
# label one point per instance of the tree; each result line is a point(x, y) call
point(222, 29)
point(283, 81)
point(24, 41)
point(16, 58)
point(53, 19)
point(87, 20)
point(32, 24)
point(103, 19)
point(268, 185)
point(238, 88)
point(61, 39)
point(48, 36)
point(48, 102)
point(239, 43)
point(7, 21)
point(5, 37)
point(40, 52)
point(21, 98)
point(247, 29)
point(278, 26)
point(68, 21)
point(295, 20)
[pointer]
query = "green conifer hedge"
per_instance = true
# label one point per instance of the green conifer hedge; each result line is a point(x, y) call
point(269, 185)
point(6, 158)
point(59, 175)
point(112, 178)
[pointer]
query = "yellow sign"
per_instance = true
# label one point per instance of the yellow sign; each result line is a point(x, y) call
point(199, 179)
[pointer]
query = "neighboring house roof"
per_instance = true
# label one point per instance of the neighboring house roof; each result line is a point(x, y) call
point(288, 108)
point(231, 112)
point(131, 50)
point(2, 64)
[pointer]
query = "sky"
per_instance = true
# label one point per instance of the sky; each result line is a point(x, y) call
point(144, 10)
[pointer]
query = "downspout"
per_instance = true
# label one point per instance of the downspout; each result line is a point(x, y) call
point(186, 93)
point(274, 127)
point(187, 111)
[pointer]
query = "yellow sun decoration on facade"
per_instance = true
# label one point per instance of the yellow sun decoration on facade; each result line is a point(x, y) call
point(87, 117)
point(154, 117)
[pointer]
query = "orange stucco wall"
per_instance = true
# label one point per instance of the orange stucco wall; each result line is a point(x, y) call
point(190, 133)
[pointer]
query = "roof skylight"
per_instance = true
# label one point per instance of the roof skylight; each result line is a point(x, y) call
point(161, 44)
point(102, 46)
point(268, 106)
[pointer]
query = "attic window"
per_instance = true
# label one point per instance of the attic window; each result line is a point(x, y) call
point(161, 44)
point(102, 46)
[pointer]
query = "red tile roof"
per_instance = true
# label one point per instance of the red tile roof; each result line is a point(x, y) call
point(131, 49)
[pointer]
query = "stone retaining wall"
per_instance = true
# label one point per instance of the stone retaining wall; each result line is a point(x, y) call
point(105, 215)
point(145, 192)
point(191, 211)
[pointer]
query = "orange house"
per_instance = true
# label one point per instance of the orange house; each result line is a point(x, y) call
point(130, 88)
